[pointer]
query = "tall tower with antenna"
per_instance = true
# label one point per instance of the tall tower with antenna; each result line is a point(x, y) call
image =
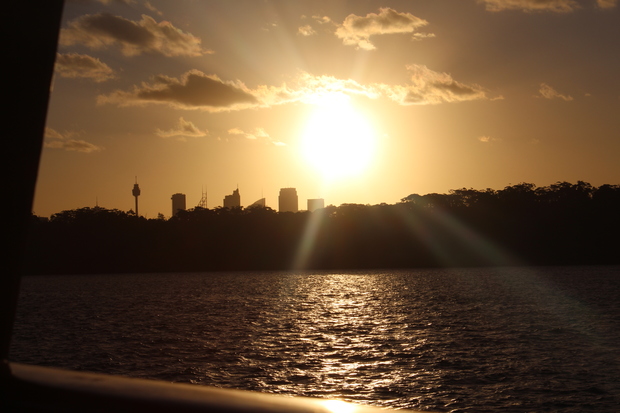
point(203, 200)
point(136, 193)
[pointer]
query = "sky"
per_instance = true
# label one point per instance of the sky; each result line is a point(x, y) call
point(350, 101)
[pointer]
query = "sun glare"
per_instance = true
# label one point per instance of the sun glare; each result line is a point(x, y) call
point(337, 141)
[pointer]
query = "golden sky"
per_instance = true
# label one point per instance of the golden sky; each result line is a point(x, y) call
point(350, 101)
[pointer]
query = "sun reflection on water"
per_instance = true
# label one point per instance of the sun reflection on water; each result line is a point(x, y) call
point(347, 334)
point(338, 406)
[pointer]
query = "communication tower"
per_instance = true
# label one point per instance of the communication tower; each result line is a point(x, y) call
point(203, 200)
point(136, 193)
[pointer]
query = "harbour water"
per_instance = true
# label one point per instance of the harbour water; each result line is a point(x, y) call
point(530, 339)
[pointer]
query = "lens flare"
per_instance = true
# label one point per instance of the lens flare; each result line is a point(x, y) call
point(337, 141)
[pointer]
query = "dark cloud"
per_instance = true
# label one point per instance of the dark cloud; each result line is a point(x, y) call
point(133, 37)
point(106, 2)
point(65, 141)
point(194, 90)
point(607, 4)
point(556, 6)
point(430, 87)
point(74, 65)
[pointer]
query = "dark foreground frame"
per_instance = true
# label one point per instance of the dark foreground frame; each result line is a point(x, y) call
point(43, 389)
point(31, 29)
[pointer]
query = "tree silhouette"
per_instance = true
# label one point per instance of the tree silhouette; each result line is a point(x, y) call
point(562, 223)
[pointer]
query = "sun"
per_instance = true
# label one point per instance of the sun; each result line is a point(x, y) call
point(337, 141)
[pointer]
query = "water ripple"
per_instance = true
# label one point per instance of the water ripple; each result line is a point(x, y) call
point(513, 339)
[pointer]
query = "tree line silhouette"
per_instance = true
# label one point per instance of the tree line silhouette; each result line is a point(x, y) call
point(560, 224)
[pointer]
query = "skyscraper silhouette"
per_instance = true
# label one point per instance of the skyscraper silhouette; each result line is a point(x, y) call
point(233, 200)
point(314, 204)
point(178, 203)
point(287, 200)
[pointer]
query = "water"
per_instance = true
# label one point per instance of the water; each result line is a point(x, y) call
point(510, 339)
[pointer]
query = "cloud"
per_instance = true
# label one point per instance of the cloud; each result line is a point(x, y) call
point(183, 130)
point(74, 65)
point(99, 31)
point(308, 87)
point(426, 87)
point(116, 1)
point(104, 2)
point(322, 19)
point(548, 92)
point(258, 134)
point(306, 30)
point(56, 140)
point(268, 27)
point(420, 36)
point(194, 90)
point(153, 9)
point(556, 6)
point(607, 4)
point(429, 87)
point(235, 131)
point(487, 139)
point(356, 30)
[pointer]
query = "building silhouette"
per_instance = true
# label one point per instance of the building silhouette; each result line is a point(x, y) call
point(314, 204)
point(287, 200)
point(178, 203)
point(233, 200)
point(256, 204)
